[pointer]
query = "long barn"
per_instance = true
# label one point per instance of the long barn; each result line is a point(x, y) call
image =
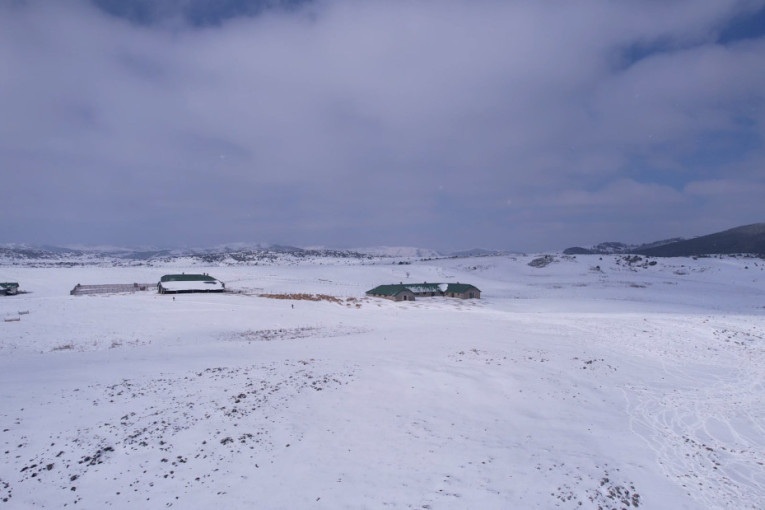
point(410, 291)
point(186, 283)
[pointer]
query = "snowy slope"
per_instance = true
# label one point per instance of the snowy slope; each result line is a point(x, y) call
point(591, 382)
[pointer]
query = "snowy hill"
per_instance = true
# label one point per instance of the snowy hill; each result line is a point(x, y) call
point(747, 239)
point(587, 382)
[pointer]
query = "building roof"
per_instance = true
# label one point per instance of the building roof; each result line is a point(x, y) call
point(9, 288)
point(460, 287)
point(389, 290)
point(425, 287)
point(421, 288)
point(190, 283)
point(187, 278)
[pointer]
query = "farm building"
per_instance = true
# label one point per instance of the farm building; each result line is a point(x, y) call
point(184, 283)
point(395, 292)
point(409, 291)
point(9, 288)
point(462, 291)
point(426, 289)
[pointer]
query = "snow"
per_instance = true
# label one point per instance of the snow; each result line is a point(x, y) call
point(590, 382)
point(419, 288)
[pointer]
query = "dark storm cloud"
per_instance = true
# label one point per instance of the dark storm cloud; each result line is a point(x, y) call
point(447, 124)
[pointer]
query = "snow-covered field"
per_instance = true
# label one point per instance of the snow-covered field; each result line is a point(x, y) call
point(587, 383)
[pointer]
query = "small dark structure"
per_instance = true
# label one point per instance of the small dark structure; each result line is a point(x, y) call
point(187, 283)
point(9, 288)
point(409, 291)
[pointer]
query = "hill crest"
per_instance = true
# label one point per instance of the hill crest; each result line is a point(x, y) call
point(749, 239)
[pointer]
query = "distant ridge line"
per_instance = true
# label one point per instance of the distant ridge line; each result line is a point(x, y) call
point(746, 239)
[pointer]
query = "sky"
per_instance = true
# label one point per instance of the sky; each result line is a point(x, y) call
point(445, 124)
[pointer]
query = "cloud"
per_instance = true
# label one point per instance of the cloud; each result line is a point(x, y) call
point(725, 189)
point(348, 123)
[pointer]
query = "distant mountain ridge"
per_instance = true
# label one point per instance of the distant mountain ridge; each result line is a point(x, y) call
point(398, 251)
point(478, 252)
point(749, 239)
point(20, 254)
point(17, 254)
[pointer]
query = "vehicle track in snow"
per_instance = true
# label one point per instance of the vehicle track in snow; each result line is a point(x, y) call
point(706, 423)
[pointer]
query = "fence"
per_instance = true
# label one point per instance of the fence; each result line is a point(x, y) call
point(112, 288)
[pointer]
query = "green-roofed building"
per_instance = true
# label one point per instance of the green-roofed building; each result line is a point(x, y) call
point(462, 291)
point(183, 283)
point(409, 291)
point(426, 289)
point(9, 288)
point(395, 292)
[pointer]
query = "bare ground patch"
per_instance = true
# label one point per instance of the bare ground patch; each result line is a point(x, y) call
point(278, 334)
point(349, 302)
point(583, 490)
